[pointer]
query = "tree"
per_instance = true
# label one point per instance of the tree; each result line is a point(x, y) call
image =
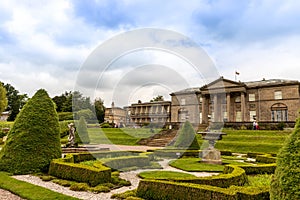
point(99, 109)
point(15, 101)
point(186, 138)
point(286, 180)
point(3, 99)
point(158, 98)
point(83, 131)
point(34, 139)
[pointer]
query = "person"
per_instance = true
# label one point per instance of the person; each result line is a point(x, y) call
point(254, 125)
point(257, 126)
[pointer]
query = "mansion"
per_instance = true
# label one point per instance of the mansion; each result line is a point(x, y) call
point(223, 100)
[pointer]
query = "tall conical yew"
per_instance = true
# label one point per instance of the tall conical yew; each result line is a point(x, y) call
point(34, 139)
point(285, 184)
point(186, 138)
point(82, 131)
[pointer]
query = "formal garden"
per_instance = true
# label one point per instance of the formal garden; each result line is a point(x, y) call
point(259, 164)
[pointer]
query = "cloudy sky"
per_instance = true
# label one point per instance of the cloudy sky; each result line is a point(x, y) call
point(50, 44)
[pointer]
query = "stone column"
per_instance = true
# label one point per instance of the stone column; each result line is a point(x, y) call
point(216, 113)
point(243, 110)
point(204, 110)
point(228, 106)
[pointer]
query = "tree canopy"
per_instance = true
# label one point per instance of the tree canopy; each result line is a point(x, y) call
point(3, 99)
point(158, 98)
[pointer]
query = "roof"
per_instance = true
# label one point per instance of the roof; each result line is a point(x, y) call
point(187, 90)
point(271, 82)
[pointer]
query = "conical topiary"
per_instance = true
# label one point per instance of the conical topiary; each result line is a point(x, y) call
point(286, 180)
point(34, 139)
point(186, 138)
point(83, 131)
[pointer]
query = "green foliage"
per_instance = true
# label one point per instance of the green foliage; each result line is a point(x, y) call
point(286, 182)
point(164, 175)
point(82, 173)
point(34, 139)
point(128, 161)
point(62, 116)
point(15, 101)
point(29, 191)
point(99, 189)
point(187, 138)
point(157, 190)
point(99, 109)
point(259, 180)
point(124, 195)
point(79, 187)
point(83, 131)
point(88, 115)
point(3, 98)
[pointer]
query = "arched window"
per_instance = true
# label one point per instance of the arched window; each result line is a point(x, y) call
point(279, 112)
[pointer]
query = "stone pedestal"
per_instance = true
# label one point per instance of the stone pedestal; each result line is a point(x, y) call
point(211, 156)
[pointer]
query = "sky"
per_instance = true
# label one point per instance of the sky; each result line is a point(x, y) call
point(54, 44)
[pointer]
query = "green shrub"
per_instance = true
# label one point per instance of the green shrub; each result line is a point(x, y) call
point(286, 182)
point(125, 195)
point(100, 188)
point(166, 190)
point(34, 139)
point(65, 183)
point(266, 158)
point(175, 153)
point(82, 131)
point(81, 157)
point(259, 169)
point(79, 187)
point(186, 138)
point(80, 173)
point(128, 161)
point(63, 116)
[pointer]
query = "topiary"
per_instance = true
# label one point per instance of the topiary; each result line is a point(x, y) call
point(286, 180)
point(186, 138)
point(83, 131)
point(34, 139)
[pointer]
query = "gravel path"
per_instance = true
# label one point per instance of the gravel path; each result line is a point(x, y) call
point(131, 176)
point(6, 195)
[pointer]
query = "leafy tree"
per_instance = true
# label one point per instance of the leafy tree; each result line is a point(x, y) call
point(3, 99)
point(15, 101)
point(83, 131)
point(99, 109)
point(286, 180)
point(60, 100)
point(158, 98)
point(87, 114)
point(186, 138)
point(34, 139)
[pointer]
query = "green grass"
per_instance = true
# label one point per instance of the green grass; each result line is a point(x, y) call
point(259, 180)
point(27, 190)
point(194, 165)
point(164, 175)
point(120, 136)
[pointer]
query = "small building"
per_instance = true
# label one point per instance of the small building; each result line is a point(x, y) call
point(151, 112)
point(4, 116)
point(115, 115)
point(224, 100)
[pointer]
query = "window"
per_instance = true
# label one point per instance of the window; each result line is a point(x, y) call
point(238, 116)
point(251, 97)
point(277, 95)
point(252, 115)
point(238, 99)
point(182, 101)
point(200, 99)
point(279, 112)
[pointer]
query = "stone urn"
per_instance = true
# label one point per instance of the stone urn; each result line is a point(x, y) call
point(211, 155)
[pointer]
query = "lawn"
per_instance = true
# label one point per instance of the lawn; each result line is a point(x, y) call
point(164, 175)
point(121, 136)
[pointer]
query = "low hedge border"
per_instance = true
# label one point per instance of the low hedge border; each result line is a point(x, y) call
point(259, 169)
point(175, 153)
point(126, 161)
point(66, 169)
point(166, 190)
point(81, 157)
point(266, 158)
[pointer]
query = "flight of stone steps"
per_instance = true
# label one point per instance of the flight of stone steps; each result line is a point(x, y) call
point(160, 139)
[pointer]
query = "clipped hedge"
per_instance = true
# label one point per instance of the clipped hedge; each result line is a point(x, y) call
point(157, 190)
point(266, 158)
point(233, 175)
point(127, 161)
point(81, 157)
point(175, 153)
point(259, 169)
point(61, 168)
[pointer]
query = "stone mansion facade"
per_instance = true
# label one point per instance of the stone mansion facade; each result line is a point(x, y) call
point(223, 100)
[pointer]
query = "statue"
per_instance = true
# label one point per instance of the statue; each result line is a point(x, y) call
point(71, 138)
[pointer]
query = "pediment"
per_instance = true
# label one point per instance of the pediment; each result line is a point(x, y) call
point(223, 84)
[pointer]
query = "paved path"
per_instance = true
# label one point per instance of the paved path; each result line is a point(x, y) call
point(6, 195)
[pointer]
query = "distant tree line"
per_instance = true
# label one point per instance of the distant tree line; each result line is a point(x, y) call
point(67, 102)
